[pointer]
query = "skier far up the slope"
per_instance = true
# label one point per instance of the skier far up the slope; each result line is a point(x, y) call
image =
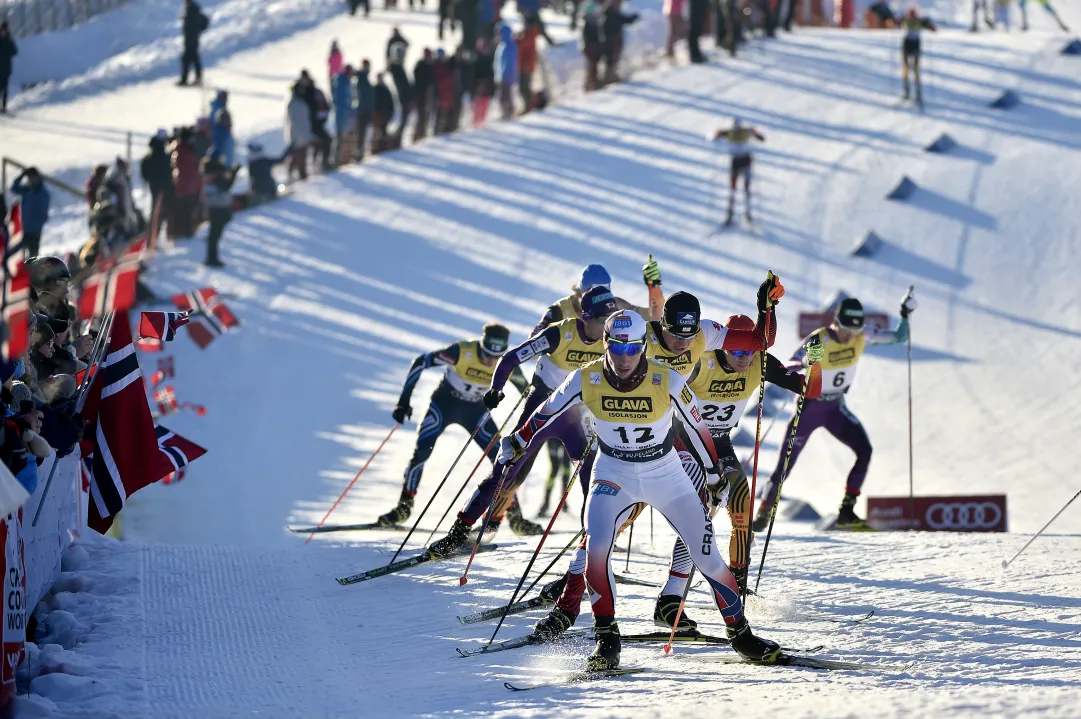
point(634, 403)
point(724, 382)
point(843, 343)
point(913, 25)
point(562, 348)
point(572, 585)
point(457, 400)
point(739, 138)
point(1046, 4)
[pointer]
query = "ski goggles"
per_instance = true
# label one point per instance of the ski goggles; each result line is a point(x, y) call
point(620, 348)
point(741, 353)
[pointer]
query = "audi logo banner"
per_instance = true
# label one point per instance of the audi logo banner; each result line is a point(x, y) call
point(984, 513)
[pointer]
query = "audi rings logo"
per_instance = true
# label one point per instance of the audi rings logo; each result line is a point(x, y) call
point(963, 515)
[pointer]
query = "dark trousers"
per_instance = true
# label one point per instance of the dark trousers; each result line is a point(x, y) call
point(354, 4)
point(698, 11)
point(190, 59)
point(219, 218)
point(838, 420)
point(32, 243)
point(789, 14)
point(4, 92)
point(363, 120)
point(445, 409)
point(420, 130)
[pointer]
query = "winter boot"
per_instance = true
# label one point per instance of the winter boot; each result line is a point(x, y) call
point(847, 517)
point(748, 646)
point(400, 513)
point(740, 573)
point(606, 655)
point(761, 519)
point(519, 524)
point(552, 626)
point(456, 538)
point(664, 613)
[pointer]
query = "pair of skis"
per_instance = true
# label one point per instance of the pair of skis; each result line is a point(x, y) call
point(409, 563)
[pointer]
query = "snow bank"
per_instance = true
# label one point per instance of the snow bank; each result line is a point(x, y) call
point(62, 515)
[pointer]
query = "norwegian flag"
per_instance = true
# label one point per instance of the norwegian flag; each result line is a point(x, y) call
point(15, 300)
point(205, 305)
point(178, 451)
point(166, 370)
point(112, 286)
point(126, 454)
point(150, 345)
point(166, 399)
point(162, 325)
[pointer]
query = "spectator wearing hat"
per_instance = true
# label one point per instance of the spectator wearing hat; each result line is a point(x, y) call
point(381, 114)
point(364, 99)
point(345, 120)
point(34, 198)
point(158, 177)
point(187, 185)
point(423, 89)
point(221, 129)
point(218, 182)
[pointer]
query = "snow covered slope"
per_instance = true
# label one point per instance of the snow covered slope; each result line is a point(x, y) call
point(342, 284)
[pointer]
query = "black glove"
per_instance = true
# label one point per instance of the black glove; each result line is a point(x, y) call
point(401, 413)
point(492, 398)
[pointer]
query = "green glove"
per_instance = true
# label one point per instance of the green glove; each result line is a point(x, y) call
point(815, 351)
point(651, 272)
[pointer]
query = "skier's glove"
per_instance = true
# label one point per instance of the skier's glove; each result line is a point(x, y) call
point(908, 304)
point(769, 292)
point(717, 486)
point(651, 273)
point(401, 413)
point(492, 398)
point(815, 351)
point(510, 449)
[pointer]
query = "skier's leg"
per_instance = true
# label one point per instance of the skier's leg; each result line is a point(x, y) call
point(848, 430)
point(747, 186)
point(733, 178)
point(428, 432)
point(680, 566)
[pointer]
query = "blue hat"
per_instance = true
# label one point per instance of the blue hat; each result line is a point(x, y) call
point(597, 303)
point(593, 276)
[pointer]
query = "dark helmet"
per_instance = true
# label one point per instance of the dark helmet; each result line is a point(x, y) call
point(597, 303)
point(682, 315)
point(850, 314)
point(495, 340)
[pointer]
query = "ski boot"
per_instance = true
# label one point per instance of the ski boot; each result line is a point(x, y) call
point(747, 216)
point(664, 613)
point(550, 592)
point(728, 218)
point(606, 655)
point(552, 626)
point(740, 573)
point(847, 517)
point(456, 538)
point(761, 519)
point(907, 94)
point(749, 646)
point(543, 511)
point(400, 513)
point(519, 524)
point(490, 531)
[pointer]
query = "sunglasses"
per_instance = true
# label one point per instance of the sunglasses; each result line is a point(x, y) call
point(630, 349)
point(741, 353)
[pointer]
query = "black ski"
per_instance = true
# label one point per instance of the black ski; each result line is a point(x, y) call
point(576, 678)
point(407, 564)
point(527, 640)
point(352, 528)
point(517, 608)
point(685, 637)
point(788, 660)
point(624, 579)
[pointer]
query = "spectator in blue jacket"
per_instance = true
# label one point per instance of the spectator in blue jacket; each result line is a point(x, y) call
point(365, 102)
point(221, 129)
point(35, 207)
point(506, 69)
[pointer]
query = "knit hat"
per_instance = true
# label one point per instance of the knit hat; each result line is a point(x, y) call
point(597, 303)
point(850, 314)
point(495, 340)
point(22, 399)
point(682, 315)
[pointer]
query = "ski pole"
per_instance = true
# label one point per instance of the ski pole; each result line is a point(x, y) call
point(758, 426)
point(630, 539)
point(495, 438)
point(462, 580)
point(679, 612)
point(551, 564)
point(1006, 563)
point(652, 547)
point(355, 478)
point(784, 473)
point(911, 481)
point(551, 522)
point(484, 418)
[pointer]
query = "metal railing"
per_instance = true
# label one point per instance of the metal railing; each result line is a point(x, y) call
point(33, 17)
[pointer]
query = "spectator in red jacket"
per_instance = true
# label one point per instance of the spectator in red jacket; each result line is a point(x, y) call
point(187, 185)
point(444, 72)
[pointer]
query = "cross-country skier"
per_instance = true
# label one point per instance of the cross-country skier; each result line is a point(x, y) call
point(634, 402)
point(843, 343)
point(724, 381)
point(571, 586)
point(739, 138)
point(1046, 4)
point(913, 25)
point(562, 348)
point(457, 400)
